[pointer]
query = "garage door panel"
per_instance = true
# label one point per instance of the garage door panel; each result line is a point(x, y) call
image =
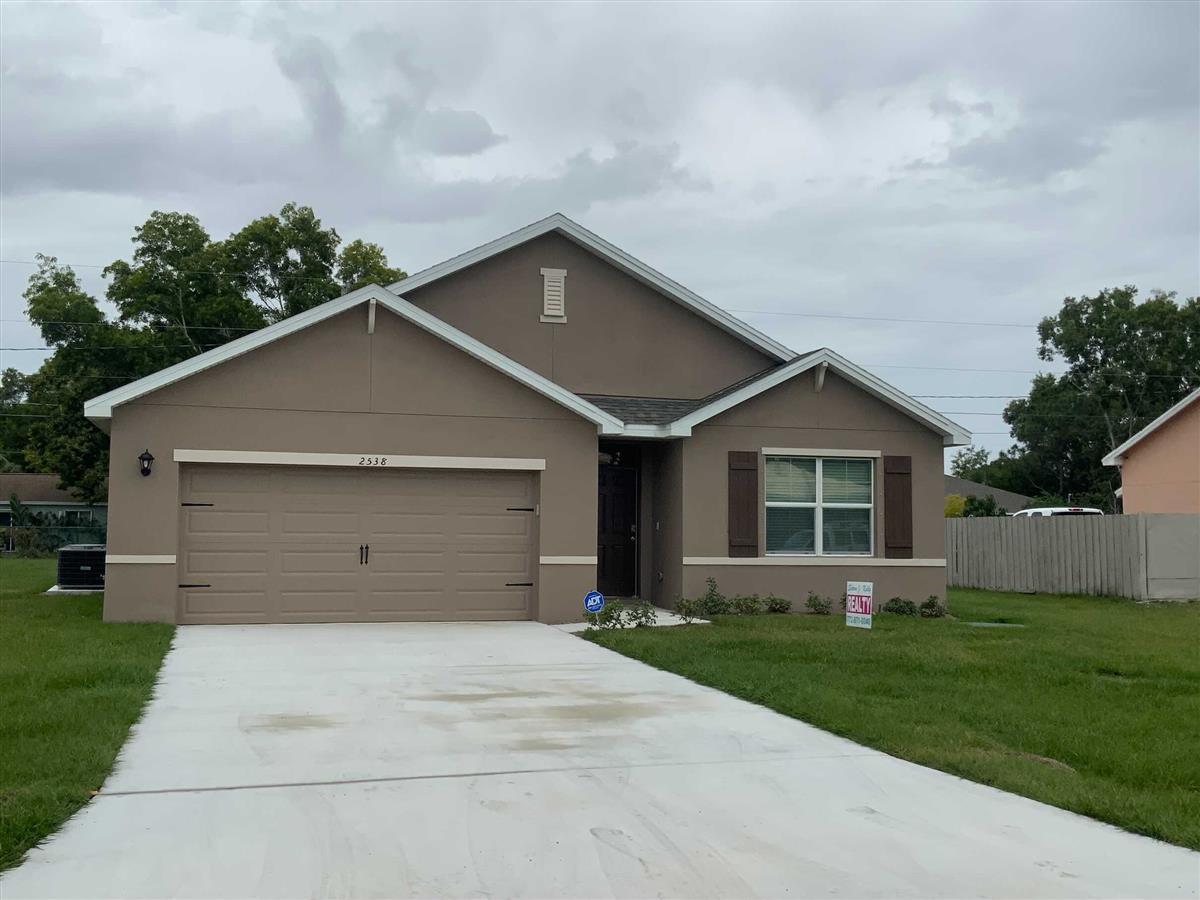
point(491, 603)
point(427, 526)
point(200, 523)
point(429, 561)
point(484, 486)
point(223, 480)
point(200, 606)
point(430, 603)
point(493, 562)
point(224, 562)
point(494, 525)
point(283, 545)
point(343, 560)
point(336, 605)
point(306, 525)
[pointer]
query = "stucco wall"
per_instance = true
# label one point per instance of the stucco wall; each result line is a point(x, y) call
point(794, 415)
point(335, 389)
point(1161, 473)
point(621, 337)
point(666, 535)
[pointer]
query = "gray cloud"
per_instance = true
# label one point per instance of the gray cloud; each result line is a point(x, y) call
point(453, 132)
point(1029, 152)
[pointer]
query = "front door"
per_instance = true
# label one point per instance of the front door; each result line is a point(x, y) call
point(617, 532)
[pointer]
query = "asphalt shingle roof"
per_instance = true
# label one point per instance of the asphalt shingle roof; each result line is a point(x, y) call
point(661, 410)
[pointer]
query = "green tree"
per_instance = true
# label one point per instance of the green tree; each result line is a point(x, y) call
point(979, 507)
point(970, 463)
point(181, 293)
point(285, 263)
point(361, 263)
point(174, 286)
point(15, 420)
point(1127, 362)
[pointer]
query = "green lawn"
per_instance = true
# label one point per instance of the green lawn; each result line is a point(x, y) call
point(1093, 706)
point(70, 688)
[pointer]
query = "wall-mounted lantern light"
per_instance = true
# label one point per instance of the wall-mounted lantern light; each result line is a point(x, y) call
point(145, 461)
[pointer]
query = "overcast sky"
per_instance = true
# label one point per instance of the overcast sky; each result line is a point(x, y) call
point(941, 161)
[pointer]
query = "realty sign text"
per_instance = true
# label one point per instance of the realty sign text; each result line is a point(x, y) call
point(858, 603)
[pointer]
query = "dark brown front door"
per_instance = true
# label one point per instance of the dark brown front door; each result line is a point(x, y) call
point(617, 532)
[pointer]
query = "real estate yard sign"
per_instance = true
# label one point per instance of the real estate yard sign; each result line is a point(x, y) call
point(859, 595)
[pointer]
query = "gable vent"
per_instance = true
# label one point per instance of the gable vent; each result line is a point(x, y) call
point(554, 295)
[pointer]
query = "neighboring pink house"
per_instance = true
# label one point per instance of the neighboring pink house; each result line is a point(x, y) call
point(1160, 465)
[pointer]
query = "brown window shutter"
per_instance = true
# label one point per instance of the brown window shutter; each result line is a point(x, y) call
point(743, 503)
point(897, 507)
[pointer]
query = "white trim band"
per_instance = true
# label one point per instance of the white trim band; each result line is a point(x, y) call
point(359, 460)
point(568, 560)
point(792, 451)
point(811, 561)
point(129, 558)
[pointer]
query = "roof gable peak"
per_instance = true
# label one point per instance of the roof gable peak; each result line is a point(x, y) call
point(615, 256)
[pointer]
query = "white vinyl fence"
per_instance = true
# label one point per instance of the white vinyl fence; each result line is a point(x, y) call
point(1148, 556)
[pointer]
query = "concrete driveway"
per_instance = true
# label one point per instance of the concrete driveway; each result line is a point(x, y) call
point(516, 760)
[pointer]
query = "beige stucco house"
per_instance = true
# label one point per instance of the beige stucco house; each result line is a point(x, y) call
point(497, 435)
point(1160, 465)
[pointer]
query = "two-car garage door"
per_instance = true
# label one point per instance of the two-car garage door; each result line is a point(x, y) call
point(308, 544)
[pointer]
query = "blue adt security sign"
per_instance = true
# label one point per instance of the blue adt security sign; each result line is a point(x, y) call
point(593, 601)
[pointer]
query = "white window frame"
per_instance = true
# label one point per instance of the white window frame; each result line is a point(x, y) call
point(818, 505)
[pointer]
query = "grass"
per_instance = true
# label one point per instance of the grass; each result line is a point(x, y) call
point(70, 688)
point(1093, 706)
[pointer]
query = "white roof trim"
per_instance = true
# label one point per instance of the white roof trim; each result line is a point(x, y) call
point(100, 408)
point(953, 434)
point(614, 255)
point(1117, 456)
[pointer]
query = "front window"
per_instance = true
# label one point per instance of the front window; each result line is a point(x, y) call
point(819, 505)
point(76, 518)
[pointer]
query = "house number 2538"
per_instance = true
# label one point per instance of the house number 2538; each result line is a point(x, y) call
point(372, 460)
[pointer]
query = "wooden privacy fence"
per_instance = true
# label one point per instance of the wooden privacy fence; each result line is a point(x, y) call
point(1148, 556)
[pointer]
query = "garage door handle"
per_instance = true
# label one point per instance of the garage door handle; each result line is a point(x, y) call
point(360, 554)
point(367, 555)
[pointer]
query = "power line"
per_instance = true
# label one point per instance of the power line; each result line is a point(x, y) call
point(904, 321)
point(154, 327)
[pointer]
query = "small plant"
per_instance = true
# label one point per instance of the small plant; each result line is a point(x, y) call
point(612, 616)
point(933, 608)
point(750, 605)
point(622, 614)
point(688, 609)
point(640, 614)
point(842, 602)
point(714, 603)
point(778, 604)
point(818, 605)
point(900, 607)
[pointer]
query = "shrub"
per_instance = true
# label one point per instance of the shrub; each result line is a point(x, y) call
point(821, 606)
point(688, 608)
point(612, 616)
point(933, 608)
point(714, 603)
point(900, 607)
point(778, 604)
point(640, 614)
point(751, 605)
